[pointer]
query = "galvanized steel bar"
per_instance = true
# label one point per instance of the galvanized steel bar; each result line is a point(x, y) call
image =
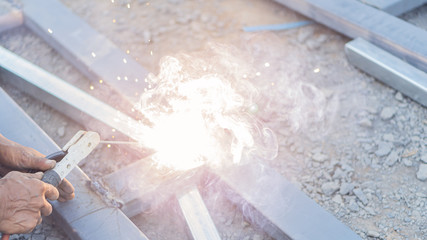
point(388, 69)
point(355, 19)
point(197, 216)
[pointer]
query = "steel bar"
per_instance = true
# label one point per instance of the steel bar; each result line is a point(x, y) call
point(282, 204)
point(84, 217)
point(63, 96)
point(395, 7)
point(355, 19)
point(88, 50)
point(388, 69)
point(197, 216)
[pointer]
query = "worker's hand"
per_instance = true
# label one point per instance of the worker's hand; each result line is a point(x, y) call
point(23, 201)
point(14, 156)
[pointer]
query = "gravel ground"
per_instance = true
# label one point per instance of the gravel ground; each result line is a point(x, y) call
point(354, 145)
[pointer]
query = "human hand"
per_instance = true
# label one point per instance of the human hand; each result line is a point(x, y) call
point(23, 201)
point(14, 156)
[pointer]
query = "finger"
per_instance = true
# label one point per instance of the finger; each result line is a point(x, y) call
point(66, 187)
point(40, 221)
point(65, 197)
point(46, 210)
point(51, 192)
point(31, 161)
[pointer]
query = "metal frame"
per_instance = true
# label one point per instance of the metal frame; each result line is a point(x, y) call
point(388, 69)
point(355, 19)
point(89, 51)
point(87, 216)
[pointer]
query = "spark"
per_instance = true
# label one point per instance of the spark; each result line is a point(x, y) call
point(91, 87)
point(50, 30)
point(128, 51)
point(118, 78)
point(113, 130)
point(267, 64)
point(124, 60)
point(112, 1)
point(101, 81)
point(114, 20)
point(126, 78)
point(258, 74)
point(93, 54)
point(128, 5)
point(108, 145)
point(316, 70)
point(136, 80)
point(151, 52)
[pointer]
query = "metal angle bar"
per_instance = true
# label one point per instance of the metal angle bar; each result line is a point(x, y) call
point(282, 204)
point(197, 216)
point(86, 216)
point(63, 96)
point(355, 19)
point(395, 7)
point(388, 69)
point(88, 50)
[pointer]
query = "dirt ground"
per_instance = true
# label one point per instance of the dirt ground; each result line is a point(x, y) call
point(352, 144)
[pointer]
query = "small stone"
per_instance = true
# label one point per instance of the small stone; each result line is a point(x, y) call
point(319, 157)
point(383, 149)
point(61, 131)
point(353, 206)
point(337, 199)
point(398, 96)
point(424, 157)
point(422, 172)
point(373, 234)
point(392, 159)
point(304, 34)
point(346, 188)
point(407, 162)
point(257, 237)
point(360, 195)
point(387, 113)
point(330, 188)
point(388, 137)
point(365, 122)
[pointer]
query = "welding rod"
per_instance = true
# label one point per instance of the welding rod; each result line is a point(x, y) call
point(119, 142)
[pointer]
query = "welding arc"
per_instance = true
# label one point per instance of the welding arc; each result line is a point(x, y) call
point(119, 142)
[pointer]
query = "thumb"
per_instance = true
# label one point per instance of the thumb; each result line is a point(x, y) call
point(39, 163)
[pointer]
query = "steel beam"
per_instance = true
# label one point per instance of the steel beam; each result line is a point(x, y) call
point(395, 7)
point(64, 97)
point(388, 69)
point(197, 216)
point(88, 50)
point(355, 19)
point(87, 216)
point(286, 212)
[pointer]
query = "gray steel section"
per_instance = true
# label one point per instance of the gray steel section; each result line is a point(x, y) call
point(63, 96)
point(197, 216)
point(395, 7)
point(355, 19)
point(282, 204)
point(388, 69)
point(84, 217)
point(89, 51)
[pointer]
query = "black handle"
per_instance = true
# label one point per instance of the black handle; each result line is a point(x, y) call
point(51, 177)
